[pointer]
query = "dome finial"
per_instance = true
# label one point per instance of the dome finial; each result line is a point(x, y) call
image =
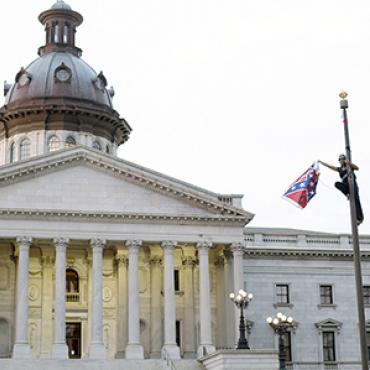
point(60, 4)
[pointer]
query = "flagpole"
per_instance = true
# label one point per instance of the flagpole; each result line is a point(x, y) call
point(355, 239)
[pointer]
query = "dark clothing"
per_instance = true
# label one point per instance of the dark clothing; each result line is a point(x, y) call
point(344, 188)
point(343, 173)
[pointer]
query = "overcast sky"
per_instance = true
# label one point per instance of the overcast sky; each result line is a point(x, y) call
point(236, 96)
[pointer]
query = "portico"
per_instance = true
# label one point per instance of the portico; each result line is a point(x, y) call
point(135, 279)
point(137, 325)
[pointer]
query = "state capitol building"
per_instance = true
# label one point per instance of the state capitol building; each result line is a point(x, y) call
point(103, 259)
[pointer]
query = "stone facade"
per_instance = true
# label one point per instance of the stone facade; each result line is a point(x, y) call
point(305, 261)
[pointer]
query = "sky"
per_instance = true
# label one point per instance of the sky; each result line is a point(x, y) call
point(236, 96)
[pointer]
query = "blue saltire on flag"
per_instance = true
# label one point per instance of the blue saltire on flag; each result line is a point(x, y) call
point(304, 188)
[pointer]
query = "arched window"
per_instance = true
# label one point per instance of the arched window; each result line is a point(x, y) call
point(53, 143)
point(70, 142)
point(56, 34)
point(96, 145)
point(24, 149)
point(72, 286)
point(72, 281)
point(12, 153)
point(65, 34)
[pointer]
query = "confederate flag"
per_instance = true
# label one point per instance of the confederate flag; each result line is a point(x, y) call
point(304, 188)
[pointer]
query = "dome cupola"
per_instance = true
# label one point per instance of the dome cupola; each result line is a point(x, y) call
point(60, 96)
point(60, 26)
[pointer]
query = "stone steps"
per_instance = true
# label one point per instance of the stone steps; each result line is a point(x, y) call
point(9, 364)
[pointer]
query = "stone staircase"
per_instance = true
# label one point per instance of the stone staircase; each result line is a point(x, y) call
point(8, 364)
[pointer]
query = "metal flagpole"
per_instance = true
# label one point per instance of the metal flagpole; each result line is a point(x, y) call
point(355, 239)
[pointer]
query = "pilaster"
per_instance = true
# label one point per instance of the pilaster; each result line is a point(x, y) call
point(156, 301)
point(122, 311)
point(47, 263)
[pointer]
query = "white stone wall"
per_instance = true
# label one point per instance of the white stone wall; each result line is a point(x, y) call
point(305, 274)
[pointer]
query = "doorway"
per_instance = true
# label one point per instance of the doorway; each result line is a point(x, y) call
point(73, 339)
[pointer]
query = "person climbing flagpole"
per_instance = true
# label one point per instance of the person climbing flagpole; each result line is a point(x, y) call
point(343, 185)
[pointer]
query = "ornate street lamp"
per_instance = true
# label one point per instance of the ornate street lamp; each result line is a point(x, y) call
point(241, 301)
point(281, 325)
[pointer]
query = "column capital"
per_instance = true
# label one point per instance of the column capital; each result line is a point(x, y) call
point(204, 245)
point(121, 259)
point(24, 242)
point(97, 243)
point(237, 247)
point(156, 261)
point(168, 244)
point(134, 244)
point(61, 243)
point(220, 260)
point(189, 261)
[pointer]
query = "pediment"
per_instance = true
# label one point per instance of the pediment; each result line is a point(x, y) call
point(80, 180)
point(328, 324)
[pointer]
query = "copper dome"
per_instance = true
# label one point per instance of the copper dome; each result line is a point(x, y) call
point(57, 76)
point(59, 90)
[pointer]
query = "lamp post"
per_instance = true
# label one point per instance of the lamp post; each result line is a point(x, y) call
point(281, 324)
point(355, 239)
point(241, 301)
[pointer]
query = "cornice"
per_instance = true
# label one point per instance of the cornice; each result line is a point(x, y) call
point(118, 217)
point(37, 166)
point(293, 253)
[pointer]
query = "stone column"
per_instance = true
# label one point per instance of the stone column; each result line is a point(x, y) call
point(60, 349)
point(134, 349)
point(205, 345)
point(229, 306)
point(238, 252)
point(170, 345)
point(97, 350)
point(156, 336)
point(188, 263)
point(21, 349)
point(221, 296)
point(47, 262)
point(122, 319)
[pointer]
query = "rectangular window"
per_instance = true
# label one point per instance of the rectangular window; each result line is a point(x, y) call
point(287, 340)
point(366, 290)
point(177, 280)
point(326, 294)
point(282, 293)
point(178, 333)
point(328, 342)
